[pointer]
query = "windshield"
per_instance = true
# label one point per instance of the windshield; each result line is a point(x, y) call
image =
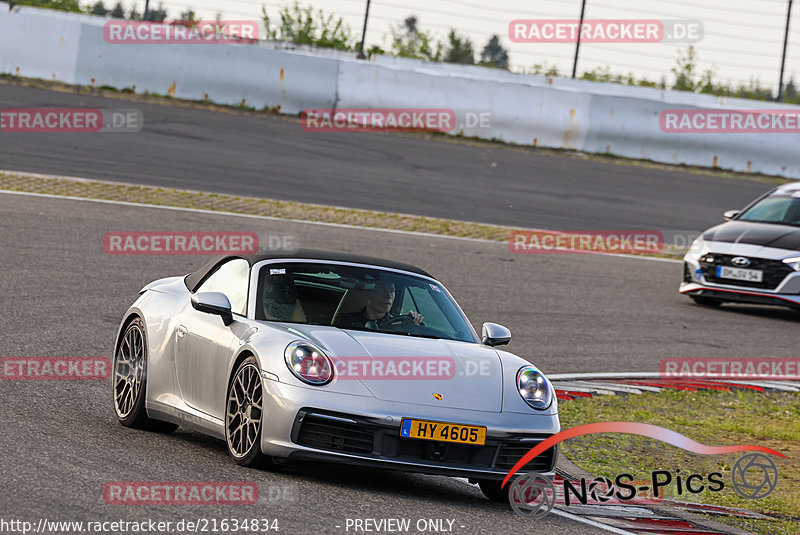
point(778, 209)
point(358, 298)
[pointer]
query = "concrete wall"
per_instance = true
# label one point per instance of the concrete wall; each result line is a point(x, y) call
point(524, 109)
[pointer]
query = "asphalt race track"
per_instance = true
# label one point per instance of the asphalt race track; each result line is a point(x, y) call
point(63, 295)
point(269, 156)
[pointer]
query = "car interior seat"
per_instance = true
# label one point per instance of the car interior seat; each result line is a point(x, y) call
point(353, 300)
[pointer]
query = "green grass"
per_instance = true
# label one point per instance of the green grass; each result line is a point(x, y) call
point(97, 189)
point(709, 417)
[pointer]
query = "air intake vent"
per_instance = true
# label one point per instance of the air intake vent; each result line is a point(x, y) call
point(509, 454)
point(330, 434)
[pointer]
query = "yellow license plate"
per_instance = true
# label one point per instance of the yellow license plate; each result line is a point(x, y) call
point(443, 431)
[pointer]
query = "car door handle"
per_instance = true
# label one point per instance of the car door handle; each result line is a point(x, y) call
point(182, 330)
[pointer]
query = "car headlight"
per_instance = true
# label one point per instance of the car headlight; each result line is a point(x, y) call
point(698, 247)
point(309, 363)
point(793, 262)
point(534, 388)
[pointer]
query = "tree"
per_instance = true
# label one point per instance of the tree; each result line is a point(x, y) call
point(157, 15)
point(494, 55)
point(303, 26)
point(459, 49)
point(411, 24)
point(752, 90)
point(790, 91)
point(706, 83)
point(375, 50)
point(684, 71)
point(60, 5)
point(188, 16)
point(98, 9)
point(118, 12)
point(409, 42)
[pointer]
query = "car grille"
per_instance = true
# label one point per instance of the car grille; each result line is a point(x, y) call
point(347, 434)
point(774, 271)
point(326, 434)
point(509, 454)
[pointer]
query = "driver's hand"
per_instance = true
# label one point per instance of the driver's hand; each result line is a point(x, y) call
point(416, 316)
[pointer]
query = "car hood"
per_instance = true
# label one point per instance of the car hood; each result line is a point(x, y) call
point(465, 376)
point(760, 234)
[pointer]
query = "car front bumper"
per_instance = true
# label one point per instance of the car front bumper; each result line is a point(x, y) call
point(303, 424)
point(695, 283)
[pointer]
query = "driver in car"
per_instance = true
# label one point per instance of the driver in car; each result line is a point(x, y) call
point(376, 312)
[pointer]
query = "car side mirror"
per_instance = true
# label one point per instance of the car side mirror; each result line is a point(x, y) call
point(730, 214)
point(213, 303)
point(493, 334)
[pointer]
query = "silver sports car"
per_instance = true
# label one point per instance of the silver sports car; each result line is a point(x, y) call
point(331, 357)
point(752, 258)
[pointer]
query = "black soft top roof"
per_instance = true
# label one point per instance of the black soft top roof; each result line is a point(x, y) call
point(193, 280)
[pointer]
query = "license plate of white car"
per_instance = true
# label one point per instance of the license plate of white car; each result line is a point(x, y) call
point(443, 431)
point(739, 274)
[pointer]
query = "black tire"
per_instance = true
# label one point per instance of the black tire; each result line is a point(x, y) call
point(706, 301)
point(244, 407)
point(491, 489)
point(130, 381)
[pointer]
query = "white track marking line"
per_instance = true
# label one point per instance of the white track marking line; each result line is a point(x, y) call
point(788, 386)
point(604, 375)
point(608, 385)
point(600, 386)
point(320, 223)
point(592, 389)
point(593, 523)
point(566, 378)
point(249, 216)
point(569, 516)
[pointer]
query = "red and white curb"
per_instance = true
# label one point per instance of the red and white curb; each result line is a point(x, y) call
point(587, 385)
point(646, 515)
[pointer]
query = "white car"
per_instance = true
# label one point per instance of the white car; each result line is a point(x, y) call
point(753, 258)
point(330, 357)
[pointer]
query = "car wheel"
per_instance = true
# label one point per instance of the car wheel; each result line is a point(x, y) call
point(244, 415)
point(706, 301)
point(130, 381)
point(491, 489)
